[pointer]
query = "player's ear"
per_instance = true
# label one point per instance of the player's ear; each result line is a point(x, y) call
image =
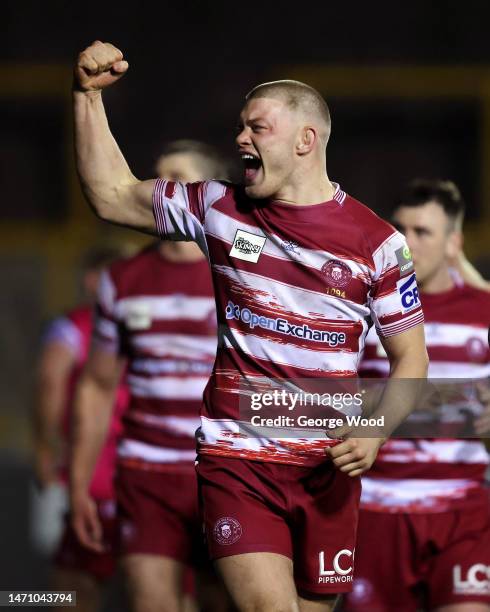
point(306, 140)
point(454, 244)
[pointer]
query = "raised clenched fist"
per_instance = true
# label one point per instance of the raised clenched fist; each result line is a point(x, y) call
point(99, 66)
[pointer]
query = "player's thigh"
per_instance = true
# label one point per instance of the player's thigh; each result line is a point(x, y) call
point(320, 604)
point(210, 590)
point(86, 586)
point(464, 607)
point(154, 583)
point(260, 582)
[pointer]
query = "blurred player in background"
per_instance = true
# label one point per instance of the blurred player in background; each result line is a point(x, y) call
point(279, 515)
point(156, 313)
point(424, 528)
point(65, 350)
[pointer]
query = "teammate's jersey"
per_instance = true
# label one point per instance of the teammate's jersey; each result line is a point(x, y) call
point(296, 289)
point(432, 475)
point(161, 316)
point(74, 330)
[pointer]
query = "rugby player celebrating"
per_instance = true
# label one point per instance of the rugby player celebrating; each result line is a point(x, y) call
point(289, 245)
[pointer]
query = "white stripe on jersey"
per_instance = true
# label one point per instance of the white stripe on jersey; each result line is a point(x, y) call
point(457, 369)
point(140, 450)
point(396, 328)
point(385, 256)
point(224, 227)
point(167, 387)
point(300, 301)
point(166, 307)
point(450, 334)
point(429, 451)
point(393, 494)
point(292, 355)
point(175, 345)
point(214, 431)
point(182, 426)
point(151, 365)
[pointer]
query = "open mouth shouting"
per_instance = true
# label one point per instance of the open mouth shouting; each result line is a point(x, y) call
point(252, 166)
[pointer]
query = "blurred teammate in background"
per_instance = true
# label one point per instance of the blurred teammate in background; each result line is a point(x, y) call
point(65, 350)
point(424, 527)
point(155, 313)
point(298, 265)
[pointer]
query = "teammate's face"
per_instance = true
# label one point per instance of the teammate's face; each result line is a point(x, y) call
point(430, 237)
point(267, 136)
point(183, 167)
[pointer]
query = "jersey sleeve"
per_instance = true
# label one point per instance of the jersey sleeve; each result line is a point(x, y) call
point(394, 296)
point(63, 331)
point(105, 333)
point(180, 209)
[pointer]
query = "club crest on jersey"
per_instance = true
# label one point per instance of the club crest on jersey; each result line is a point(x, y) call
point(247, 246)
point(227, 531)
point(338, 273)
point(404, 260)
point(409, 293)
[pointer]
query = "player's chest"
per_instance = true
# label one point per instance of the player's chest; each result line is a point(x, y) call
point(309, 259)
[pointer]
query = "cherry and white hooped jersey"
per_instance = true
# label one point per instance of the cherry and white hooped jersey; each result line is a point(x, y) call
point(161, 316)
point(434, 475)
point(296, 288)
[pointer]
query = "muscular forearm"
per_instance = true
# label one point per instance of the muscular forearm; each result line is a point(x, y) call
point(91, 419)
point(104, 173)
point(401, 390)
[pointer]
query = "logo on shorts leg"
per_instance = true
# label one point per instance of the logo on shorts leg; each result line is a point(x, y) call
point(342, 567)
point(474, 581)
point(227, 531)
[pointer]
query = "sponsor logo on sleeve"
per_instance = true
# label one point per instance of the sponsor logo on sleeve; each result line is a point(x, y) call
point(404, 260)
point(247, 246)
point(409, 294)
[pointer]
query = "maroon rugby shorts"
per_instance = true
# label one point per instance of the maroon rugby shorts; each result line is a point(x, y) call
point(405, 561)
point(307, 514)
point(158, 513)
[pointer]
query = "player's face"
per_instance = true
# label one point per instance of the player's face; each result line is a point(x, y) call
point(267, 133)
point(181, 167)
point(429, 236)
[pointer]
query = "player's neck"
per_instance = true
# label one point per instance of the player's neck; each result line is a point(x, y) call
point(306, 190)
point(440, 282)
point(180, 252)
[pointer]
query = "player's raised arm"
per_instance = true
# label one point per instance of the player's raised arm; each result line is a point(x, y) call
point(110, 187)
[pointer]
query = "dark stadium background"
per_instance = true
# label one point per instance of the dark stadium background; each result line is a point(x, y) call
point(409, 90)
